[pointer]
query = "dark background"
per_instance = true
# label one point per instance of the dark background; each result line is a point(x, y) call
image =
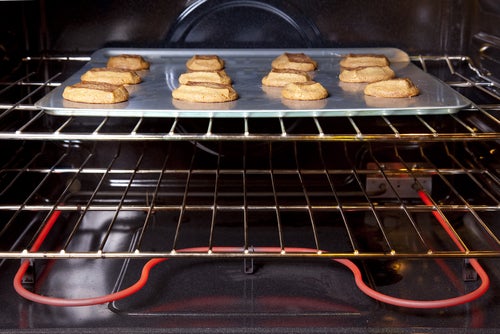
point(423, 27)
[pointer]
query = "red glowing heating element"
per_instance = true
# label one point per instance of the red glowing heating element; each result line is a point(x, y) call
point(141, 282)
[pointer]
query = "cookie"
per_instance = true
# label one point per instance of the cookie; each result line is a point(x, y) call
point(304, 91)
point(205, 92)
point(279, 78)
point(128, 62)
point(205, 63)
point(364, 60)
point(294, 61)
point(220, 77)
point(92, 92)
point(367, 74)
point(114, 76)
point(400, 87)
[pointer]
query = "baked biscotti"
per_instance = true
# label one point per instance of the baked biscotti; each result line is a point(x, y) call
point(205, 63)
point(367, 74)
point(363, 60)
point(114, 76)
point(206, 92)
point(281, 77)
point(398, 88)
point(294, 61)
point(128, 62)
point(95, 92)
point(304, 91)
point(220, 77)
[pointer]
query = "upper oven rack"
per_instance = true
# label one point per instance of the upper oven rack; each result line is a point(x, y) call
point(22, 121)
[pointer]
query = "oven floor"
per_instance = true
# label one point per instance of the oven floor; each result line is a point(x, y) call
point(232, 295)
point(206, 295)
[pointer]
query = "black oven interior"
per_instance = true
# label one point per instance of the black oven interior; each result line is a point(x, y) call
point(248, 216)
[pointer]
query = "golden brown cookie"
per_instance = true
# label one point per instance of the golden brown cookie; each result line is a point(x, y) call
point(95, 92)
point(304, 91)
point(279, 78)
point(128, 62)
point(294, 61)
point(205, 76)
point(364, 60)
point(205, 92)
point(114, 76)
point(205, 63)
point(400, 87)
point(367, 74)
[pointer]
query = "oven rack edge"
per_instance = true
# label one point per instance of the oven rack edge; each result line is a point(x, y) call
point(247, 254)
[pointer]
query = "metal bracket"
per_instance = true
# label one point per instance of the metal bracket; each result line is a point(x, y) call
point(248, 263)
point(469, 274)
point(402, 183)
point(28, 280)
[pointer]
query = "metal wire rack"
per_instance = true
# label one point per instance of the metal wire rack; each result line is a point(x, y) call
point(343, 187)
point(22, 121)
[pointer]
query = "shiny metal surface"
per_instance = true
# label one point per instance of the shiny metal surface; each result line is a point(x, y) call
point(153, 97)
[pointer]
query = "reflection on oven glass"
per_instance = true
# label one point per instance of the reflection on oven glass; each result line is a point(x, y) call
point(350, 87)
point(304, 105)
point(187, 105)
point(384, 102)
point(272, 92)
point(81, 105)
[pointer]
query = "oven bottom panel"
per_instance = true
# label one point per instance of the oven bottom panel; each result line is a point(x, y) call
point(219, 296)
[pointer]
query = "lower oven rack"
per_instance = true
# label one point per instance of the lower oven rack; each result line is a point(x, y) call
point(196, 199)
point(328, 183)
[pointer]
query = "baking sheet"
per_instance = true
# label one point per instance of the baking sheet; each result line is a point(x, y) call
point(246, 67)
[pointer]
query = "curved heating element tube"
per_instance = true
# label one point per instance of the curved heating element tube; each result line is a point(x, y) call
point(141, 282)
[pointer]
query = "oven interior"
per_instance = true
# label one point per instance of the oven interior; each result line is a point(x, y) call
point(248, 218)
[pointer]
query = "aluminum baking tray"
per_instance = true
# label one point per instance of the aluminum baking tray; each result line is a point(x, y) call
point(153, 98)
